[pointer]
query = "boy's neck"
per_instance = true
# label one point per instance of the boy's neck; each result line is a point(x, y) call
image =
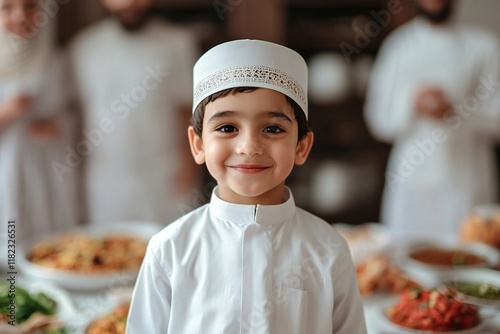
point(271, 197)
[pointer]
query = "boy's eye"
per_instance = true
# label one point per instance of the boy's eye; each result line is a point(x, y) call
point(273, 129)
point(226, 128)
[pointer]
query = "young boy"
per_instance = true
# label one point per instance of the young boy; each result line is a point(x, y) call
point(250, 261)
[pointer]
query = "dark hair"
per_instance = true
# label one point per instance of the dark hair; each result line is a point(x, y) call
point(197, 119)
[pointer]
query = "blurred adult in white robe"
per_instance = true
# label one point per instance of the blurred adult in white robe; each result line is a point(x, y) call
point(134, 77)
point(435, 94)
point(36, 123)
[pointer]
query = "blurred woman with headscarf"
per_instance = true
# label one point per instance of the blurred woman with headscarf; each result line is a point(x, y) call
point(35, 123)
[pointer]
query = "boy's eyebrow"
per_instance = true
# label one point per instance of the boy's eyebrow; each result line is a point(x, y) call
point(271, 114)
point(220, 114)
point(279, 114)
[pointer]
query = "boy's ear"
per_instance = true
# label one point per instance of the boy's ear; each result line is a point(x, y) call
point(196, 146)
point(303, 148)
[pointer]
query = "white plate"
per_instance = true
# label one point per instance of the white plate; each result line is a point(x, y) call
point(66, 311)
point(432, 274)
point(401, 329)
point(87, 282)
point(474, 276)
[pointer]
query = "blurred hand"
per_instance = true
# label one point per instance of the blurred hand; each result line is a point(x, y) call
point(44, 130)
point(14, 108)
point(432, 102)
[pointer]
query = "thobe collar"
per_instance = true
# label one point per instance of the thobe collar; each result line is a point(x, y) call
point(242, 214)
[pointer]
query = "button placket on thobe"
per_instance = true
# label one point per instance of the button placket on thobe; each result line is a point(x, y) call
point(257, 225)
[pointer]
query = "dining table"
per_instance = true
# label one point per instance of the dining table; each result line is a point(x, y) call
point(83, 303)
point(370, 241)
point(83, 307)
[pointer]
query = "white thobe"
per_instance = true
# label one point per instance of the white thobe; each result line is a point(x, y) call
point(132, 85)
point(34, 193)
point(438, 169)
point(230, 268)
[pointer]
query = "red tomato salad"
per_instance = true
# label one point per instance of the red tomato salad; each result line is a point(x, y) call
point(432, 310)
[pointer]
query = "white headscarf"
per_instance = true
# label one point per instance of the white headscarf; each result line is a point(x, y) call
point(26, 56)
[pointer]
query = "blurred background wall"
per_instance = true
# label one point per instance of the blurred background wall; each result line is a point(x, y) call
point(344, 177)
point(480, 12)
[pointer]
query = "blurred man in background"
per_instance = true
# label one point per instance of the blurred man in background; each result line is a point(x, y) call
point(435, 94)
point(134, 77)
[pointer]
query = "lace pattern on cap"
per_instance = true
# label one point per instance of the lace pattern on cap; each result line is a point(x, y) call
point(247, 75)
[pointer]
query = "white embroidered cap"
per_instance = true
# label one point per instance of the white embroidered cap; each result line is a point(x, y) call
point(251, 63)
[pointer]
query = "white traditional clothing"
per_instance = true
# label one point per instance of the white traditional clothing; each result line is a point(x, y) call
point(231, 268)
point(37, 196)
point(32, 193)
point(438, 169)
point(131, 86)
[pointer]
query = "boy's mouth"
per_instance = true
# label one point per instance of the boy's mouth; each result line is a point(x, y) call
point(249, 168)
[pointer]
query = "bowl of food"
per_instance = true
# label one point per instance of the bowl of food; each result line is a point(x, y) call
point(378, 274)
point(90, 258)
point(431, 311)
point(35, 307)
point(482, 225)
point(112, 322)
point(112, 318)
point(430, 261)
point(478, 287)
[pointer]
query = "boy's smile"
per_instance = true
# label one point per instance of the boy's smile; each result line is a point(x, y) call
point(249, 168)
point(249, 144)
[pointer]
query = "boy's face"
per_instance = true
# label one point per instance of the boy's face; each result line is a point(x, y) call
point(249, 144)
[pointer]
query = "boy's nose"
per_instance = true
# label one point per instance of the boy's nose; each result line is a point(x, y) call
point(250, 145)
